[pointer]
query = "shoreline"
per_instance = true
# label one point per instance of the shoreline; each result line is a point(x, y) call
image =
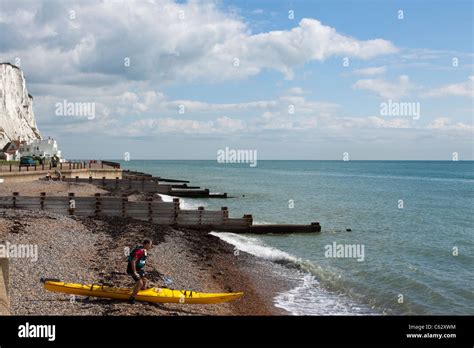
point(91, 250)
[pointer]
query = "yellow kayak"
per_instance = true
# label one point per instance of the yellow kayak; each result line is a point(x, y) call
point(156, 295)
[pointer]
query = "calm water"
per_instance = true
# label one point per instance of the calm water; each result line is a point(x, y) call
point(408, 265)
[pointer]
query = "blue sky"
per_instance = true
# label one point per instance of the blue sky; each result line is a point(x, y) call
point(184, 97)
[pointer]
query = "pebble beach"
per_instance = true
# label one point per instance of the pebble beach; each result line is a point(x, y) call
point(93, 250)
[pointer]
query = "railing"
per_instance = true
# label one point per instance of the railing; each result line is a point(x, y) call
point(70, 165)
point(17, 167)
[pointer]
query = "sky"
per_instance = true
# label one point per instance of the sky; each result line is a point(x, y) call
point(306, 79)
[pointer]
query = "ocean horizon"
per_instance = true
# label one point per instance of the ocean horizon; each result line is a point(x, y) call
point(281, 160)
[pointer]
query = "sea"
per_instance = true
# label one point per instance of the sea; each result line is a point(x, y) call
point(397, 237)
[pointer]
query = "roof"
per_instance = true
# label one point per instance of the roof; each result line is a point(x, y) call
point(15, 142)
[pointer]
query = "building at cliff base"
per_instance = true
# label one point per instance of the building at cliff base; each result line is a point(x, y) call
point(11, 151)
point(44, 148)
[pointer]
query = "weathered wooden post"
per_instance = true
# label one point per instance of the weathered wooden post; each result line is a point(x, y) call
point(15, 195)
point(72, 203)
point(200, 210)
point(10, 167)
point(150, 208)
point(124, 204)
point(176, 209)
point(116, 182)
point(42, 198)
point(225, 214)
point(77, 178)
point(97, 204)
point(249, 219)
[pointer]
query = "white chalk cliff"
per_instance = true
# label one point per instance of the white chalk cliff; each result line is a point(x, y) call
point(17, 119)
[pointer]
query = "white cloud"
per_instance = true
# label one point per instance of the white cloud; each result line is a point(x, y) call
point(462, 89)
point(371, 71)
point(387, 89)
point(444, 123)
point(311, 40)
point(165, 41)
point(285, 113)
point(267, 119)
point(378, 122)
point(288, 113)
point(222, 125)
point(230, 124)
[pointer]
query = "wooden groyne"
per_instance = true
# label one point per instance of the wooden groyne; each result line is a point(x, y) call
point(284, 228)
point(169, 180)
point(195, 193)
point(178, 189)
point(139, 175)
point(163, 213)
point(142, 185)
point(147, 185)
point(184, 186)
